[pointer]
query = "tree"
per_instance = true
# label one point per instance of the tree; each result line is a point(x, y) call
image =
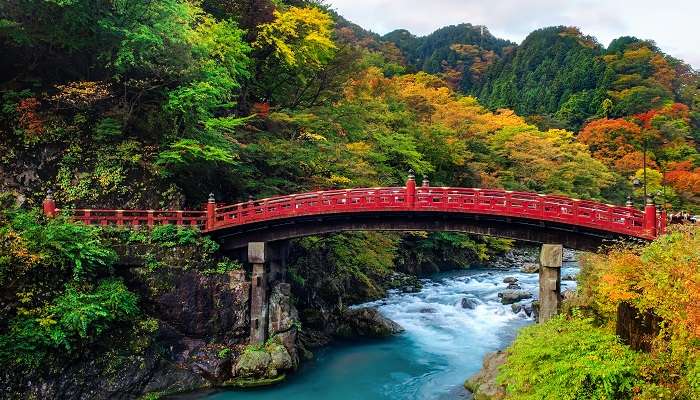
point(293, 49)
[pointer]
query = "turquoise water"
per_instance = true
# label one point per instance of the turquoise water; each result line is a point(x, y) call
point(443, 344)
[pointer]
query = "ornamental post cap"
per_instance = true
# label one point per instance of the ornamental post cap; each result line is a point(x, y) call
point(411, 174)
point(650, 200)
point(629, 201)
point(211, 198)
point(49, 194)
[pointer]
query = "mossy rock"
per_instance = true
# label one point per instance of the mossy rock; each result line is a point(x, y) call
point(247, 383)
point(253, 363)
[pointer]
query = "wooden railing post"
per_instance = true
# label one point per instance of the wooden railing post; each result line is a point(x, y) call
point(650, 217)
point(662, 222)
point(211, 212)
point(411, 190)
point(49, 205)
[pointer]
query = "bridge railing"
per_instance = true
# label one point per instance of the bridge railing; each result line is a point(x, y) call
point(331, 201)
point(138, 218)
point(533, 206)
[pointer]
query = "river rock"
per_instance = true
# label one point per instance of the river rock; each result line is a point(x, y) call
point(366, 322)
point(514, 296)
point(568, 278)
point(526, 308)
point(530, 268)
point(510, 279)
point(513, 286)
point(263, 362)
point(252, 364)
point(469, 303)
point(483, 384)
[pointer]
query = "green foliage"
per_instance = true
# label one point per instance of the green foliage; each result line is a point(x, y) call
point(344, 265)
point(223, 267)
point(72, 320)
point(189, 153)
point(70, 247)
point(569, 359)
point(173, 235)
point(545, 71)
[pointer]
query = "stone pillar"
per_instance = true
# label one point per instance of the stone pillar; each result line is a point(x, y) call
point(258, 292)
point(550, 280)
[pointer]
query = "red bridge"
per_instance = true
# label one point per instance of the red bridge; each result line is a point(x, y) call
point(519, 215)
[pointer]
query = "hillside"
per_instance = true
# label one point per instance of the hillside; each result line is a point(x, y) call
point(460, 53)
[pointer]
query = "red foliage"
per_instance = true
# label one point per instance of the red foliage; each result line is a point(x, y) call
point(29, 119)
point(262, 109)
point(610, 139)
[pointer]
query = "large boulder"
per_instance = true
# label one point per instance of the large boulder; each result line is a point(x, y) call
point(510, 279)
point(263, 362)
point(483, 384)
point(253, 363)
point(513, 296)
point(366, 322)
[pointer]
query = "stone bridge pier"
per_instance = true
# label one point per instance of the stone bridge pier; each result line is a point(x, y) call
point(551, 257)
point(269, 265)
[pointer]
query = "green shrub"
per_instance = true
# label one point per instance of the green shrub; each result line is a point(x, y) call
point(59, 242)
point(74, 319)
point(569, 359)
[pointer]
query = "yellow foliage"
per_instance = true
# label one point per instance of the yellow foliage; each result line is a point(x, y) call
point(299, 37)
point(663, 278)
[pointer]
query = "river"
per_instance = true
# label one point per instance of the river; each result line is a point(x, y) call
point(443, 344)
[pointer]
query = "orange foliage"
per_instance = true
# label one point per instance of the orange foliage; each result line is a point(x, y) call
point(632, 162)
point(664, 278)
point(29, 118)
point(610, 139)
point(664, 73)
point(687, 182)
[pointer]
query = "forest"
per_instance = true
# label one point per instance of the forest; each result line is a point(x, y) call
point(153, 105)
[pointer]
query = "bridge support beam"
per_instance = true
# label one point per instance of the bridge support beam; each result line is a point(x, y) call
point(550, 280)
point(258, 292)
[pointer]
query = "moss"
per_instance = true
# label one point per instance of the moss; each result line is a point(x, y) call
point(245, 383)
